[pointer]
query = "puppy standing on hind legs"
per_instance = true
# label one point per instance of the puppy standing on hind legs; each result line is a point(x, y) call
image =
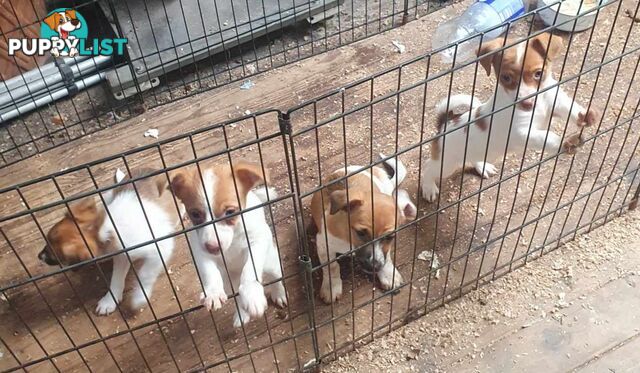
point(522, 70)
point(236, 253)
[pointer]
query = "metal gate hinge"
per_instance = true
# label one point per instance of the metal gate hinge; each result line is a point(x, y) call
point(67, 77)
point(305, 263)
point(284, 120)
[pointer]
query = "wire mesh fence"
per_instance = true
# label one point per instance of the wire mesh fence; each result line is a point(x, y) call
point(362, 242)
point(175, 49)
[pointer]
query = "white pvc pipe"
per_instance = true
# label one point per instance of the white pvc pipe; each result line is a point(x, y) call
point(53, 96)
point(36, 74)
point(40, 86)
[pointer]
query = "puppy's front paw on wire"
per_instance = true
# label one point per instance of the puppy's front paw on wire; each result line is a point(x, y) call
point(213, 300)
point(572, 143)
point(251, 298)
point(589, 118)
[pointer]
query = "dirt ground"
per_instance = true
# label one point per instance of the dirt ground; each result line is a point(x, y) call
point(570, 310)
point(482, 230)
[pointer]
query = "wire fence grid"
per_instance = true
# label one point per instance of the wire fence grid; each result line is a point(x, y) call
point(191, 45)
point(475, 231)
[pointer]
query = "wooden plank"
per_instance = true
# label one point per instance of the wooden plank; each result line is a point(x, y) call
point(280, 88)
point(590, 327)
point(624, 358)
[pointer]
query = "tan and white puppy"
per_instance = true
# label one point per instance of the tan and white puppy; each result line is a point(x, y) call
point(66, 244)
point(522, 70)
point(244, 250)
point(365, 220)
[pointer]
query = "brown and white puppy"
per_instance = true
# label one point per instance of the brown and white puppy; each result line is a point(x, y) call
point(90, 223)
point(63, 23)
point(364, 221)
point(229, 240)
point(522, 70)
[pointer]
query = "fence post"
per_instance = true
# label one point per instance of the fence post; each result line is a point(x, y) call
point(634, 200)
point(304, 258)
point(405, 14)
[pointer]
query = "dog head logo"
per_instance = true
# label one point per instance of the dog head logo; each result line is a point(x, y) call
point(65, 28)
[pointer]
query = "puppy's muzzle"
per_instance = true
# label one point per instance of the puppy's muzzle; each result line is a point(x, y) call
point(212, 247)
point(526, 105)
point(369, 262)
point(46, 258)
point(75, 22)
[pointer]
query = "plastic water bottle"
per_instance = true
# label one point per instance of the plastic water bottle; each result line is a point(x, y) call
point(481, 16)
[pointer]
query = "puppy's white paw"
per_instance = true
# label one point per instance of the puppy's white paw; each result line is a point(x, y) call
point(390, 279)
point(430, 190)
point(485, 169)
point(138, 300)
point(278, 294)
point(240, 318)
point(215, 298)
point(106, 305)
point(251, 298)
point(330, 294)
point(552, 146)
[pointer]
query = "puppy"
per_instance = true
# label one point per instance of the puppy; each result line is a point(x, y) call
point(236, 252)
point(528, 65)
point(367, 216)
point(63, 23)
point(66, 244)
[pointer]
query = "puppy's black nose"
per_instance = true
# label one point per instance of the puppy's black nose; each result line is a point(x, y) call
point(46, 258)
point(371, 265)
point(75, 22)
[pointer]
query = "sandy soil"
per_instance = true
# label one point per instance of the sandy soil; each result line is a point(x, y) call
point(468, 333)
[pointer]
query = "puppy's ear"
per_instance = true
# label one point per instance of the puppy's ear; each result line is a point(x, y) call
point(487, 57)
point(179, 183)
point(249, 175)
point(84, 211)
point(71, 13)
point(338, 202)
point(161, 184)
point(547, 44)
point(52, 21)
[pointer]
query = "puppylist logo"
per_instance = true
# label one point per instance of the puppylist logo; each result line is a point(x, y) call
point(64, 32)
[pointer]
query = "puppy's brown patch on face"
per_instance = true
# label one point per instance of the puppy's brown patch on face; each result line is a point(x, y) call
point(529, 62)
point(187, 186)
point(355, 218)
point(66, 243)
point(366, 224)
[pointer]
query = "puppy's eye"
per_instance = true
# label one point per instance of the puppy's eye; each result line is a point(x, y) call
point(537, 75)
point(506, 78)
point(362, 234)
point(197, 216)
point(230, 211)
